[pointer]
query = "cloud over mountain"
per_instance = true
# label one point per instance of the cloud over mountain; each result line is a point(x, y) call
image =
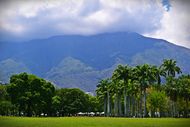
point(23, 20)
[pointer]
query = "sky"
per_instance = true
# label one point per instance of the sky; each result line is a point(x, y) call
point(23, 20)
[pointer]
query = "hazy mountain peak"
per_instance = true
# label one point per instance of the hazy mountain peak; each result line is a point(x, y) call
point(9, 67)
point(70, 65)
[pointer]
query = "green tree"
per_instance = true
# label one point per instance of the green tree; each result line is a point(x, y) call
point(184, 91)
point(3, 93)
point(5, 108)
point(158, 72)
point(146, 77)
point(93, 104)
point(103, 92)
point(170, 67)
point(73, 100)
point(123, 73)
point(117, 91)
point(157, 102)
point(30, 94)
point(172, 90)
point(56, 104)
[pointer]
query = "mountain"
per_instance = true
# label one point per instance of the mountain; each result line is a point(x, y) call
point(9, 67)
point(81, 61)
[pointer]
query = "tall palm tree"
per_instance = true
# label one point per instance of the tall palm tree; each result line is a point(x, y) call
point(145, 77)
point(103, 91)
point(123, 73)
point(133, 90)
point(171, 69)
point(117, 90)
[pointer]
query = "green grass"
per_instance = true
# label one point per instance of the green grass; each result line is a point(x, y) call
point(92, 122)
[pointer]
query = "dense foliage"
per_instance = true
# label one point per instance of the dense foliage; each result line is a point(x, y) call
point(146, 90)
point(28, 95)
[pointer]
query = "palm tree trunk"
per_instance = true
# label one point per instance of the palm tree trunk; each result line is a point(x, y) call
point(129, 106)
point(145, 113)
point(133, 106)
point(105, 104)
point(108, 104)
point(116, 105)
point(172, 111)
point(186, 108)
point(175, 109)
point(171, 108)
point(140, 106)
point(119, 105)
point(125, 102)
point(137, 108)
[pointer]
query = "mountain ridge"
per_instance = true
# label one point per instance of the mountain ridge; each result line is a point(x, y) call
point(99, 54)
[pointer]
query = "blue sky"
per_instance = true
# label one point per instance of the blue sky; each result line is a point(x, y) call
point(24, 20)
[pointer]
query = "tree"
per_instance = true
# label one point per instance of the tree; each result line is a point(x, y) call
point(172, 89)
point(133, 91)
point(56, 104)
point(184, 90)
point(123, 73)
point(170, 67)
point(158, 72)
point(3, 93)
point(30, 94)
point(5, 104)
point(5, 108)
point(157, 101)
point(145, 77)
point(73, 100)
point(103, 91)
point(93, 104)
point(117, 91)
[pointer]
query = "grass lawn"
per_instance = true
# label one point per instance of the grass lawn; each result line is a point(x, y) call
point(92, 122)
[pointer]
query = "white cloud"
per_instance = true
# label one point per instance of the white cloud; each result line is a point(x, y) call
point(39, 19)
point(14, 28)
point(175, 24)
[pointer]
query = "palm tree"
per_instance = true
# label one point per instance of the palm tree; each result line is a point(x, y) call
point(117, 90)
point(158, 72)
point(172, 91)
point(133, 90)
point(123, 73)
point(146, 77)
point(103, 91)
point(170, 67)
point(184, 90)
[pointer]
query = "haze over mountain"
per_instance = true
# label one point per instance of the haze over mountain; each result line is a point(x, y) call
point(81, 61)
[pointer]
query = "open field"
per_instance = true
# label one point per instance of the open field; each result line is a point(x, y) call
point(92, 122)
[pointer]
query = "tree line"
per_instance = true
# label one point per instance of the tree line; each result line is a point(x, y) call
point(141, 91)
point(146, 90)
point(29, 95)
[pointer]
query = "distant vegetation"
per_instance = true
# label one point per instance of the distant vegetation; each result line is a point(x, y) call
point(140, 91)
